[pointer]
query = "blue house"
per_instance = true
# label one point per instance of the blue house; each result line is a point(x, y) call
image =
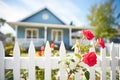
point(44, 26)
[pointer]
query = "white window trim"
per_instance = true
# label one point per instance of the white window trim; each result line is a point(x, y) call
point(32, 33)
point(57, 35)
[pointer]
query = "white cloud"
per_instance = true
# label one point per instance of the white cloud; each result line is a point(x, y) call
point(11, 13)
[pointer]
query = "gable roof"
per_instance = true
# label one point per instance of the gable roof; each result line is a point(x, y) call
point(33, 14)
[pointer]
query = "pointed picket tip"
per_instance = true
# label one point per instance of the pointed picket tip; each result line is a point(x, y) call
point(112, 49)
point(16, 50)
point(47, 50)
point(103, 52)
point(31, 50)
point(62, 50)
point(93, 46)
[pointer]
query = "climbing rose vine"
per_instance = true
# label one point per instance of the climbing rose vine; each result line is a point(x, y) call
point(83, 54)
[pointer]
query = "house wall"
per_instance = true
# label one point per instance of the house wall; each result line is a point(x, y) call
point(21, 32)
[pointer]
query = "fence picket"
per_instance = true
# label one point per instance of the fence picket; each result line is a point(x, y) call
point(2, 61)
point(92, 69)
point(16, 61)
point(47, 62)
point(31, 69)
point(92, 73)
point(62, 57)
point(103, 63)
point(113, 62)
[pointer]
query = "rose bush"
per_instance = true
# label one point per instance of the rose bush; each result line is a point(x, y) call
point(82, 54)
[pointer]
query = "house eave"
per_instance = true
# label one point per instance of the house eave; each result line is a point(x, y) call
point(30, 24)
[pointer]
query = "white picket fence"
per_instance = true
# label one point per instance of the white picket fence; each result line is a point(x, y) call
point(47, 62)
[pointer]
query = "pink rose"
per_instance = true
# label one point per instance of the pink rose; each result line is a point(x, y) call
point(52, 45)
point(90, 59)
point(88, 34)
point(42, 48)
point(101, 43)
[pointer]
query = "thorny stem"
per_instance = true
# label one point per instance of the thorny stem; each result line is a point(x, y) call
point(75, 68)
point(82, 39)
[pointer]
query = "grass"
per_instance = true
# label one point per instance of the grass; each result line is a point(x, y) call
point(24, 54)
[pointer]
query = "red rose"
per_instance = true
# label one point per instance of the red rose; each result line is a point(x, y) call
point(88, 34)
point(101, 43)
point(52, 45)
point(42, 48)
point(90, 59)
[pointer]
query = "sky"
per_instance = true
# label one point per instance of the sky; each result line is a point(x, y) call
point(66, 10)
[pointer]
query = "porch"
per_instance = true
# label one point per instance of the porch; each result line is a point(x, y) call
point(72, 33)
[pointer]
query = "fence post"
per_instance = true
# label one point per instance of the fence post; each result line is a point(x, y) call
point(31, 52)
point(103, 63)
point(62, 57)
point(2, 71)
point(47, 62)
point(16, 61)
point(113, 62)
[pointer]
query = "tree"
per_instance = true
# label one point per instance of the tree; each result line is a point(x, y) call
point(102, 19)
point(2, 21)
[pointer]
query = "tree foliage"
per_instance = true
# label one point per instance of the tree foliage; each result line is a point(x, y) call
point(102, 18)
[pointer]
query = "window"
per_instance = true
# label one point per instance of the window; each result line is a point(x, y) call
point(45, 16)
point(57, 35)
point(31, 33)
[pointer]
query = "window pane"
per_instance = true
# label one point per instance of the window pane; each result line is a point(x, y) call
point(54, 35)
point(34, 34)
point(59, 35)
point(28, 33)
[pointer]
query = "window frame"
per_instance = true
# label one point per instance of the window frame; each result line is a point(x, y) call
point(31, 29)
point(57, 30)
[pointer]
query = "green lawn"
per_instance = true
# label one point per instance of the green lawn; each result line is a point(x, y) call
point(24, 54)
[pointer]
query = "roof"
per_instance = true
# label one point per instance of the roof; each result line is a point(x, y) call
point(41, 11)
point(30, 24)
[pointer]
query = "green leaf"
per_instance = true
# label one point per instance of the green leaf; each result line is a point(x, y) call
point(72, 60)
point(78, 66)
point(87, 75)
point(84, 69)
point(78, 55)
point(67, 63)
point(59, 62)
point(72, 47)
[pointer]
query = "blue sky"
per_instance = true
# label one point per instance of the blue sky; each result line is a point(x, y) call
point(66, 10)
